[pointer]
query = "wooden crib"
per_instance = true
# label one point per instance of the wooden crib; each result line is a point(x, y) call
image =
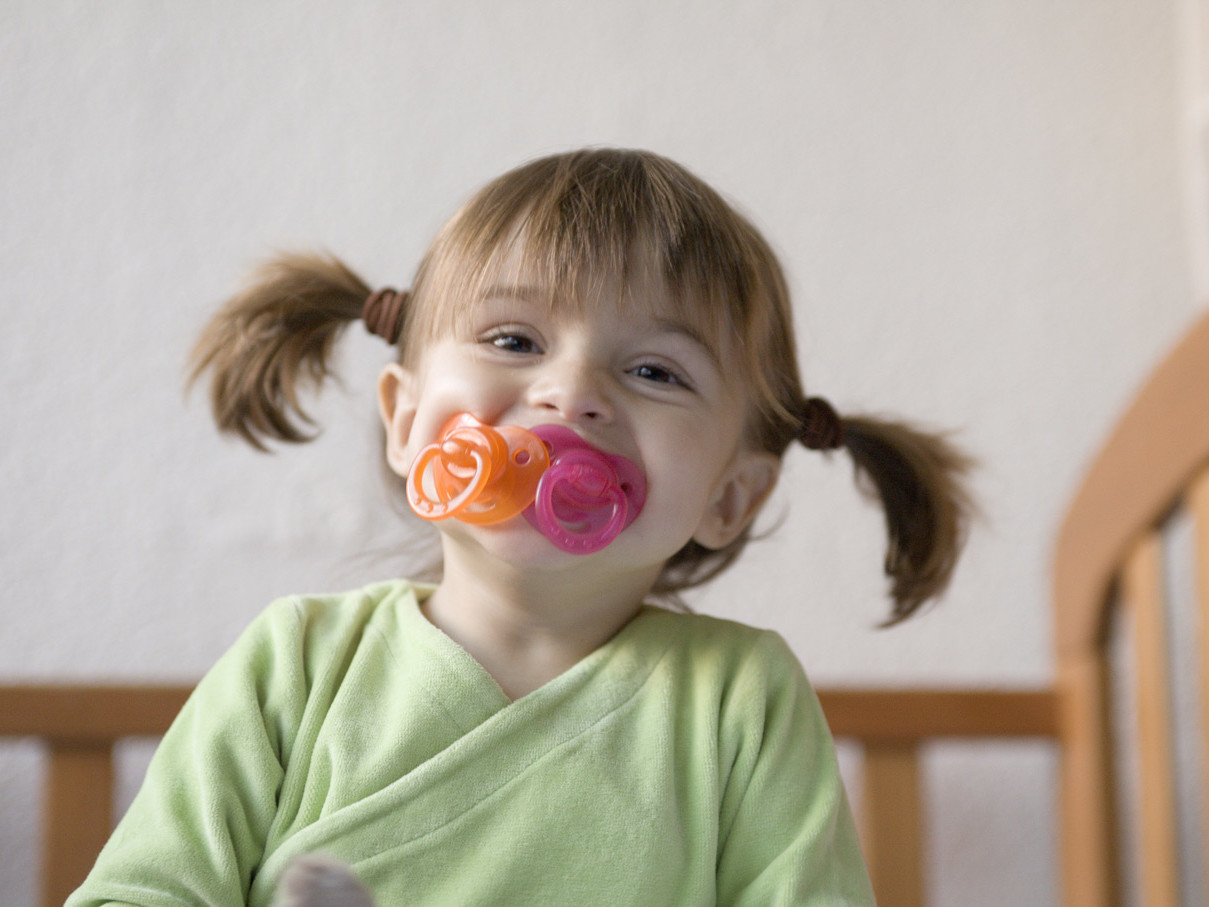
point(1108, 560)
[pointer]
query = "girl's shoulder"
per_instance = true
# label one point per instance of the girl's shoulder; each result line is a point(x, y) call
point(323, 621)
point(719, 645)
point(327, 610)
point(707, 629)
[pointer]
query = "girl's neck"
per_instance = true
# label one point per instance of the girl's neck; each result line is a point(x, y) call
point(526, 627)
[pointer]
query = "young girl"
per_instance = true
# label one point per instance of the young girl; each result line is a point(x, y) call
point(534, 729)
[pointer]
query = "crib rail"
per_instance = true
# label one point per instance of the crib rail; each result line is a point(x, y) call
point(892, 728)
point(80, 726)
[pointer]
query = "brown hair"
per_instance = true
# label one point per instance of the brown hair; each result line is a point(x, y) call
point(571, 221)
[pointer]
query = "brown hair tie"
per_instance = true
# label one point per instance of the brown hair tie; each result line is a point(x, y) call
point(822, 428)
point(383, 313)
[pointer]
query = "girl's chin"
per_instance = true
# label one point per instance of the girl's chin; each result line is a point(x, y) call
point(515, 542)
point(519, 544)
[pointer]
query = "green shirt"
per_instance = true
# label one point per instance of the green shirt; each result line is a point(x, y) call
point(684, 762)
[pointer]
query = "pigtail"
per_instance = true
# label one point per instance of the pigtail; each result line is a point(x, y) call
point(273, 338)
point(918, 479)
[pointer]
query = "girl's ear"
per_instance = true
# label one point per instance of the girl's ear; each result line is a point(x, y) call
point(736, 500)
point(397, 406)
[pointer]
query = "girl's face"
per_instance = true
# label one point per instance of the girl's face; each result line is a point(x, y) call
point(633, 379)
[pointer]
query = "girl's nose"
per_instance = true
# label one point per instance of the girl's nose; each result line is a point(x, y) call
point(574, 389)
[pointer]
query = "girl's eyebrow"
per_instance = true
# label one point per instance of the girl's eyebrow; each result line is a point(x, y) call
point(686, 330)
point(522, 292)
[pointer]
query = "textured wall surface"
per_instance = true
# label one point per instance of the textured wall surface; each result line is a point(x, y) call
point(981, 208)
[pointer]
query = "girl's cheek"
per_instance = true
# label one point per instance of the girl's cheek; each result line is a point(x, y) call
point(441, 405)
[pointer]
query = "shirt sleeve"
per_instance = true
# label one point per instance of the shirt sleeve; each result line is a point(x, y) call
point(196, 831)
point(786, 834)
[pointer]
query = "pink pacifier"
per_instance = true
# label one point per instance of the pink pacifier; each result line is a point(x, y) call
point(476, 473)
point(587, 497)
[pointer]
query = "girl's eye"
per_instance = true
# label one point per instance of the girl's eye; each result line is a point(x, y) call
point(511, 342)
point(656, 373)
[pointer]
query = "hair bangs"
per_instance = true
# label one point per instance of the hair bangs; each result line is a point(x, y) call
point(577, 229)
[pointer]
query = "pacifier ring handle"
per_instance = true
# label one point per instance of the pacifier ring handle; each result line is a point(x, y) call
point(430, 509)
point(577, 541)
point(565, 480)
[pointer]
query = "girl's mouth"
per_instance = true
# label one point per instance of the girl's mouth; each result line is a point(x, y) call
point(578, 496)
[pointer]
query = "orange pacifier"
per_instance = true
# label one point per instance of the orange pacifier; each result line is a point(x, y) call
point(476, 472)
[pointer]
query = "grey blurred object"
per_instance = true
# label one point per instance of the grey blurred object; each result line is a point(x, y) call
point(319, 881)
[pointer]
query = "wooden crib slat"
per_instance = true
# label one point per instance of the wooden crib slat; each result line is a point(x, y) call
point(892, 824)
point(1090, 868)
point(1198, 505)
point(1142, 580)
point(78, 815)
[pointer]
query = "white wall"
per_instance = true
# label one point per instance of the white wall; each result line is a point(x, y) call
point(981, 207)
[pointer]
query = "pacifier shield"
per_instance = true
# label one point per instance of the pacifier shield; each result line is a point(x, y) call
point(476, 473)
point(587, 497)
